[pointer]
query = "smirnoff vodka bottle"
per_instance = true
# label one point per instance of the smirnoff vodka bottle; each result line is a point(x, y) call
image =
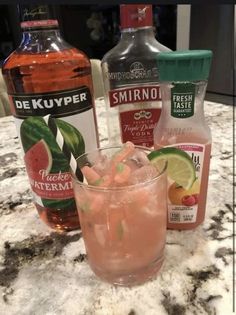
point(131, 78)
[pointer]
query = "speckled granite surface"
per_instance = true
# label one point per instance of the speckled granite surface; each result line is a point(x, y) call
point(45, 273)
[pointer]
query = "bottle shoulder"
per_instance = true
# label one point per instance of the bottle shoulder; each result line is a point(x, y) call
point(125, 50)
point(170, 131)
point(62, 57)
point(112, 52)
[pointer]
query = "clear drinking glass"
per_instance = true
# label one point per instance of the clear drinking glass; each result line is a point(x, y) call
point(124, 228)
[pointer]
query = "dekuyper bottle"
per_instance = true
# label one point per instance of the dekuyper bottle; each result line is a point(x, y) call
point(45, 75)
point(183, 77)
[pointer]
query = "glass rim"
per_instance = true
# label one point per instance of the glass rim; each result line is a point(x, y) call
point(122, 188)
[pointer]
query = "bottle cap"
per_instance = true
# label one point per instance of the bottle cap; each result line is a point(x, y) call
point(33, 16)
point(188, 65)
point(135, 15)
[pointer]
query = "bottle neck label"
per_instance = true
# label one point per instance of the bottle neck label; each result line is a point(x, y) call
point(39, 23)
point(63, 103)
point(35, 15)
point(182, 100)
point(135, 15)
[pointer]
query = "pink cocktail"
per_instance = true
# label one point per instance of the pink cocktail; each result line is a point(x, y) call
point(122, 209)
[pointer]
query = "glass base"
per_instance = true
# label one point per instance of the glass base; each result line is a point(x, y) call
point(128, 278)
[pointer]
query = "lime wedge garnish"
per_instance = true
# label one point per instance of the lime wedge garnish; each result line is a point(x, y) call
point(180, 166)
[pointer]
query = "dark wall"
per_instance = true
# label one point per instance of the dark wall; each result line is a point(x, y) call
point(72, 19)
point(212, 27)
point(95, 29)
point(10, 33)
point(92, 28)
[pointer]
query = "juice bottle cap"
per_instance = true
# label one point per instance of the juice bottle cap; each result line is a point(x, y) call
point(135, 15)
point(187, 65)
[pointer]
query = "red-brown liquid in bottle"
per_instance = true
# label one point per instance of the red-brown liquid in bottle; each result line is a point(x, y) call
point(48, 72)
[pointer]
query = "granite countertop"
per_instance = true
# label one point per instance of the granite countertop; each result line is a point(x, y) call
point(45, 273)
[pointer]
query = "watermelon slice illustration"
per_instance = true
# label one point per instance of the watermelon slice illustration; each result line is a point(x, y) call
point(43, 152)
point(34, 129)
point(38, 157)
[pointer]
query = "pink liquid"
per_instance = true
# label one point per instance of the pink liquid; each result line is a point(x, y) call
point(124, 228)
point(125, 240)
point(204, 179)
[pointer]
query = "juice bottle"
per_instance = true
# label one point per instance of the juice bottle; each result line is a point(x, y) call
point(45, 75)
point(183, 76)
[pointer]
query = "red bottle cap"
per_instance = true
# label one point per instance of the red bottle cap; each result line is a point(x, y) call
point(135, 15)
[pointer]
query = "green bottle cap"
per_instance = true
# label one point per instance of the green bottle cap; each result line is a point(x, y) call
point(187, 65)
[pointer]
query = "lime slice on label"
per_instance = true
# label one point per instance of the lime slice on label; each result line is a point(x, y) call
point(180, 166)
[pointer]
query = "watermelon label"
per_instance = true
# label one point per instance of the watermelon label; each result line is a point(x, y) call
point(59, 104)
point(47, 167)
point(52, 186)
point(38, 161)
